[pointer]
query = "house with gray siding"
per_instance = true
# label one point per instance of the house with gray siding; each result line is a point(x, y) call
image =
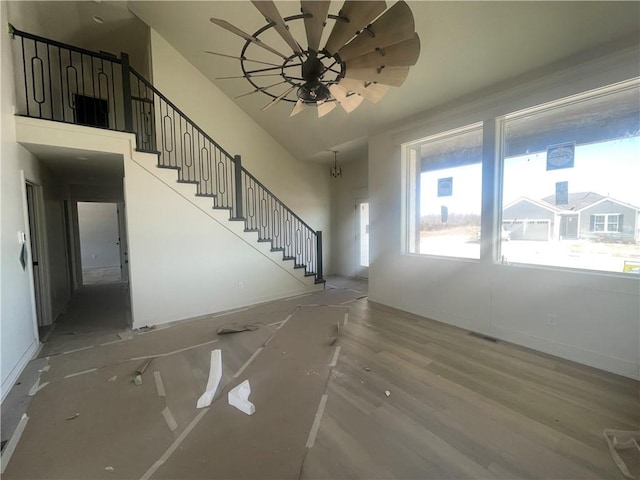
point(586, 215)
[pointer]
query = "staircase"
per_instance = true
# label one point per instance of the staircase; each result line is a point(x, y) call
point(68, 84)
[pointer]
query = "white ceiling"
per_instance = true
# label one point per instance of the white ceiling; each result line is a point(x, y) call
point(465, 47)
point(78, 166)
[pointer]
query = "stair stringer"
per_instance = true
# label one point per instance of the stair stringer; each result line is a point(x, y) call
point(186, 190)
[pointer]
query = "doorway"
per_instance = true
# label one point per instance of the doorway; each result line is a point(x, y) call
point(362, 239)
point(99, 234)
point(35, 245)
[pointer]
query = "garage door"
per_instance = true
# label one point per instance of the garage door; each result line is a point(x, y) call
point(528, 229)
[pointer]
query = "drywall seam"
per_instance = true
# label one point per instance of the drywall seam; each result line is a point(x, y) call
point(280, 265)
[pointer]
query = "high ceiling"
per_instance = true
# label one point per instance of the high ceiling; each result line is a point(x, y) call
point(465, 47)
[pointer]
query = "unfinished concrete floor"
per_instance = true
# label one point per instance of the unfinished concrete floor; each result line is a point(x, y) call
point(457, 406)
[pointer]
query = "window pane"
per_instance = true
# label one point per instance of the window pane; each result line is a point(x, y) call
point(444, 187)
point(571, 196)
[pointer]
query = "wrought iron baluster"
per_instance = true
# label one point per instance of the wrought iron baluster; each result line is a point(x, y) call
point(62, 104)
point(24, 68)
point(36, 60)
point(113, 96)
point(50, 81)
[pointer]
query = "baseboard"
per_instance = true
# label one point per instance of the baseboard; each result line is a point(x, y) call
point(27, 356)
point(544, 345)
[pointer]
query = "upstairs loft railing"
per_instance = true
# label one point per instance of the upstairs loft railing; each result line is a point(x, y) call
point(68, 84)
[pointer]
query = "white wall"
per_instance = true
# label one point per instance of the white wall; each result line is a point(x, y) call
point(303, 187)
point(188, 260)
point(598, 316)
point(57, 252)
point(98, 224)
point(18, 335)
point(70, 22)
point(185, 259)
point(346, 192)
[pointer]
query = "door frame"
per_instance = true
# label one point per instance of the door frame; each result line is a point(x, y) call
point(122, 237)
point(77, 254)
point(40, 293)
point(360, 271)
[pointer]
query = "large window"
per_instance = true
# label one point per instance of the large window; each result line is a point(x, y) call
point(444, 183)
point(571, 182)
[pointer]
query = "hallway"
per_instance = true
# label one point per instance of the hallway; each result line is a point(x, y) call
point(95, 313)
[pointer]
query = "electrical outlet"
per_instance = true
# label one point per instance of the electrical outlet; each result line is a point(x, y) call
point(552, 319)
point(240, 285)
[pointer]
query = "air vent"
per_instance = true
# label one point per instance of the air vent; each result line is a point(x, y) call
point(483, 337)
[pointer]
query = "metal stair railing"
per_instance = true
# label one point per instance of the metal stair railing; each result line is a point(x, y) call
point(72, 85)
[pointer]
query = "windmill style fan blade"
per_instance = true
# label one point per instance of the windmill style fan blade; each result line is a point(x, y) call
point(314, 25)
point(240, 58)
point(359, 15)
point(348, 102)
point(325, 107)
point(298, 108)
point(338, 92)
point(352, 102)
point(246, 36)
point(373, 92)
point(269, 11)
point(261, 89)
point(394, 76)
point(394, 26)
point(401, 54)
point(277, 99)
point(248, 75)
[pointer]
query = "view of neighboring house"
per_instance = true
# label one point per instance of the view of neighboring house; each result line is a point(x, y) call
point(585, 215)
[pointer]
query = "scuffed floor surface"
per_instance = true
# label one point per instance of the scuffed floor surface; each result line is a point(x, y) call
point(391, 395)
point(89, 420)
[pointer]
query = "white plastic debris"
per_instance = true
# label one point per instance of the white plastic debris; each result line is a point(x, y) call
point(387, 393)
point(215, 375)
point(239, 398)
point(109, 469)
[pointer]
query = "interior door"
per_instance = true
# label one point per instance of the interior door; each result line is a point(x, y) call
point(362, 239)
point(35, 251)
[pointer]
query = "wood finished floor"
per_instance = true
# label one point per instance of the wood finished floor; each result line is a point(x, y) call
point(459, 406)
point(462, 407)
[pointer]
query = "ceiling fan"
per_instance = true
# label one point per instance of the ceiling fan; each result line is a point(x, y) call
point(368, 49)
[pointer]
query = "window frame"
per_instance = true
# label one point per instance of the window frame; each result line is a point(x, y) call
point(411, 185)
point(605, 222)
point(492, 123)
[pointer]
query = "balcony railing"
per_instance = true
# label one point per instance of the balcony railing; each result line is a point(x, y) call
point(68, 84)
